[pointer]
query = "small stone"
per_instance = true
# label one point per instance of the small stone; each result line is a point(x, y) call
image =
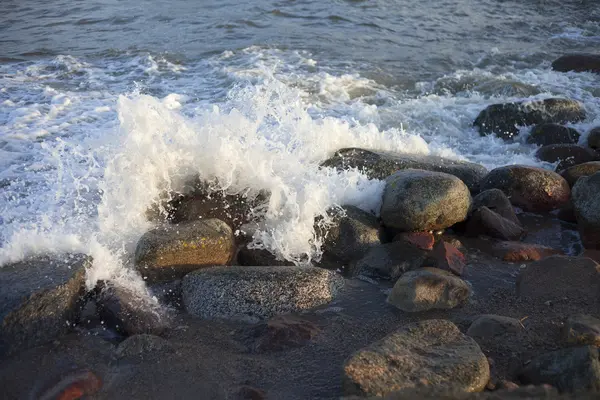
point(489, 326)
point(431, 353)
point(577, 63)
point(427, 289)
point(283, 331)
point(496, 201)
point(549, 134)
point(422, 240)
point(582, 330)
point(519, 251)
point(572, 174)
point(252, 293)
point(446, 257)
point(483, 221)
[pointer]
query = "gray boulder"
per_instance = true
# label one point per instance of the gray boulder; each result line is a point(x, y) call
point(505, 119)
point(586, 204)
point(577, 63)
point(257, 292)
point(389, 260)
point(431, 353)
point(495, 200)
point(489, 326)
point(418, 200)
point(484, 221)
point(428, 289)
point(380, 165)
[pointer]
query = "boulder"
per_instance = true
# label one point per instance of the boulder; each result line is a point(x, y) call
point(389, 260)
point(257, 292)
point(431, 353)
point(142, 345)
point(505, 119)
point(282, 332)
point(582, 330)
point(566, 155)
point(593, 139)
point(380, 165)
point(40, 299)
point(427, 289)
point(422, 240)
point(575, 369)
point(531, 188)
point(547, 134)
point(572, 174)
point(350, 235)
point(577, 63)
point(559, 278)
point(586, 203)
point(496, 201)
point(519, 251)
point(418, 200)
point(171, 251)
point(447, 257)
point(489, 326)
point(510, 392)
point(483, 221)
point(258, 257)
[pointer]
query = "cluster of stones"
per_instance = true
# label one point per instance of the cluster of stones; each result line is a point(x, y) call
point(196, 263)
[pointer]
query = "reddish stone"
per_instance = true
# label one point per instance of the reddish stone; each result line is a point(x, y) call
point(422, 240)
point(72, 386)
point(447, 257)
point(283, 331)
point(518, 251)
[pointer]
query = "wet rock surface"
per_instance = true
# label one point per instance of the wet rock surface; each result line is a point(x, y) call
point(519, 251)
point(490, 326)
point(582, 330)
point(389, 260)
point(495, 200)
point(586, 204)
point(566, 155)
point(548, 134)
point(483, 221)
point(572, 174)
point(577, 63)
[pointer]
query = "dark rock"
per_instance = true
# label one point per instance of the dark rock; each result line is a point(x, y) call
point(582, 330)
point(519, 251)
point(142, 345)
point(496, 201)
point(519, 393)
point(380, 165)
point(561, 278)
point(489, 326)
point(593, 139)
point(572, 174)
point(258, 257)
point(427, 289)
point(389, 260)
point(422, 240)
point(547, 134)
point(575, 369)
point(250, 393)
point(171, 251)
point(257, 292)
point(586, 203)
point(447, 257)
point(281, 332)
point(577, 63)
point(431, 353)
point(417, 200)
point(531, 188)
point(567, 214)
point(40, 299)
point(483, 221)
point(566, 155)
point(504, 119)
point(130, 312)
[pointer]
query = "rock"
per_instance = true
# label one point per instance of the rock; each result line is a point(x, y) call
point(561, 278)
point(422, 240)
point(380, 165)
point(577, 63)
point(427, 289)
point(483, 221)
point(566, 155)
point(40, 299)
point(72, 384)
point(447, 257)
point(389, 260)
point(130, 312)
point(519, 251)
point(259, 257)
point(582, 330)
point(572, 174)
point(417, 200)
point(504, 119)
point(352, 233)
point(171, 251)
point(257, 292)
point(496, 201)
point(250, 393)
point(489, 326)
point(519, 393)
point(574, 369)
point(531, 188)
point(586, 203)
point(593, 139)
point(140, 345)
point(430, 353)
point(567, 214)
point(281, 332)
point(505, 88)
point(547, 134)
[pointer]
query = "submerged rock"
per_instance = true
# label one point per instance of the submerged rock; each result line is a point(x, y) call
point(519, 251)
point(531, 188)
point(572, 174)
point(577, 63)
point(427, 289)
point(505, 119)
point(389, 260)
point(566, 155)
point(257, 292)
point(418, 200)
point(427, 353)
point(281, 332)
point(380, 165)
point(489, 326)
point(547, 134)
point(171, 251)
point(582, 330)
point(586, 203)
point(40, 299)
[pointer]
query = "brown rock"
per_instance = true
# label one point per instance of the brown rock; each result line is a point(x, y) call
point(567, 155)
point(572, 174)
point(582, 330)
point(483, 221)
point(531, 188)
point(422, 240)
point(431, 353)
point(549, 134)
point(446, 257)
point(519, 251)
point(283, 331)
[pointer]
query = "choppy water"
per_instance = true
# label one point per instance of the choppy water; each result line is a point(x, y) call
point(104, 105)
